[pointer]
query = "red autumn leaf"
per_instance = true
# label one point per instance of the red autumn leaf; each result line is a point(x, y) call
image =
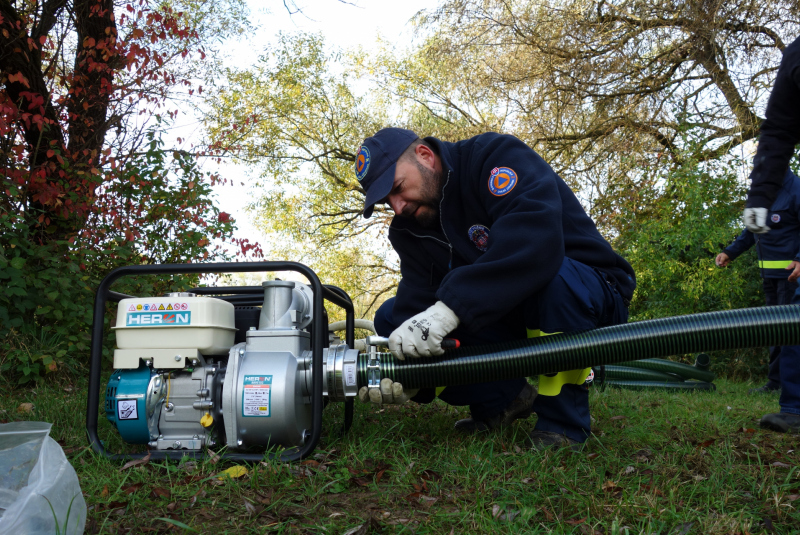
point(159, 492)
point(133, 488)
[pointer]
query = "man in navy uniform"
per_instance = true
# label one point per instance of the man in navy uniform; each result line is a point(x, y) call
point(493, 246)
point(780, 134)
point(778, 257)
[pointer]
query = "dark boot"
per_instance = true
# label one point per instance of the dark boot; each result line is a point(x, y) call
point(782, 422)
point(521, 407)
point(768, 388)
point(547, 439)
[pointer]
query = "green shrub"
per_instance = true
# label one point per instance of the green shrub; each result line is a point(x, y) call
point(156, 209)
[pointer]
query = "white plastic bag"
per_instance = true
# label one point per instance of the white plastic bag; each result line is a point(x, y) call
point(39, 490)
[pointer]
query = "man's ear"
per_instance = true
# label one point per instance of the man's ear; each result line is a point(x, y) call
point(426, 155)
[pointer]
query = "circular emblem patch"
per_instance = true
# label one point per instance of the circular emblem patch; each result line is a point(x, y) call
point(502, 180)
point(776, 218)
point(590, 378)
point(362, 163)
point(479, 235)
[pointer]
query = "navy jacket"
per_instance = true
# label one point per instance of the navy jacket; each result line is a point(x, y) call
point(780, 131)
point(778, 247)
point(507, 222)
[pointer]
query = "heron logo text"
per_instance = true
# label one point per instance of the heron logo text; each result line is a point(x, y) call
point(158, 319)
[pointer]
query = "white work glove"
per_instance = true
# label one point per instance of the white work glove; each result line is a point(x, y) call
point(422, 335)
point(390, 393)
point(755, 220)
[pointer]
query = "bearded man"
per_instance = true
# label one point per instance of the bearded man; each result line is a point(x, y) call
point(493, 246)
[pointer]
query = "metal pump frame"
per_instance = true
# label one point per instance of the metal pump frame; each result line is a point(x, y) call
point(237, 295)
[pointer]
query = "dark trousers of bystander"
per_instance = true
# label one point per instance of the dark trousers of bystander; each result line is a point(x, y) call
point(777, 292)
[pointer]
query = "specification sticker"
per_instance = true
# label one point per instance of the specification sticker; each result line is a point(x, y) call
point(256, 395)
point(350, 374)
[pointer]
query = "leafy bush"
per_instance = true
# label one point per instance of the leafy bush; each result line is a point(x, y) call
point(156, 209)
point(694, 212)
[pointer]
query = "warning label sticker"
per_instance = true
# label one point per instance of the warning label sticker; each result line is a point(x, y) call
point(126, 409)
point(256, 393)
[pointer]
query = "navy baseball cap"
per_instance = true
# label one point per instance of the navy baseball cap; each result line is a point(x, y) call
point(376, 160)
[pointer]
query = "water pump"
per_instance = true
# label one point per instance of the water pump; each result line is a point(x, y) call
point(182, 383)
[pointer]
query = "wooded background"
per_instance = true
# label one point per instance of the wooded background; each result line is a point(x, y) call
point(648, 109)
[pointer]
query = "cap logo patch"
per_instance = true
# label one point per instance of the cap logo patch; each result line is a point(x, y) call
point(479, 235)
point(362, 163)
point(776, 218)
point(502, 180)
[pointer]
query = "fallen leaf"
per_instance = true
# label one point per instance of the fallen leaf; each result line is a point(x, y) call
point(629, 470)
point(213, 457)
point(781, 465)
point(361, 481)
point(620, 417)
point(792, 497)
point(251, 509)
point(707, 443)
point(104, 492)
point(379, 475)
point(172, 506)
point(430, 475)
point(133, 488)
point(528, 480)
point(610, 486)
point(496, 511)
point(233, 472)
point(25, 408)
point(593, 456)
point(575, 522)
point(159, 492)
point(136, 462)
point(508, 516)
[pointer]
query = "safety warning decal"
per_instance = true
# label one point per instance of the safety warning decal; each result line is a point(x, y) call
point(126, 409)
point(256, 393)
point(132, 308)
point(502, 180)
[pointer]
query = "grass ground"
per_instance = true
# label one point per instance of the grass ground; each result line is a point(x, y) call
point(676, 463)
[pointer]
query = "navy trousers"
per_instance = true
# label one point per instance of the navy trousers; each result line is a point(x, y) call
point(777, 292)
point(578, 298)
point(790, 373)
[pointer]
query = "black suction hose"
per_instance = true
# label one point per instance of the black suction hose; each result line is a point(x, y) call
point(658, 385)
point(625, 373)
point(667, 366)
point(711, 331)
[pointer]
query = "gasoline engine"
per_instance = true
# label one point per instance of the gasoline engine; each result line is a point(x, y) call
point(181, 383)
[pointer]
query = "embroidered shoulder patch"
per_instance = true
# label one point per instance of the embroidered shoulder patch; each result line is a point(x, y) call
point(502, 180)
point(479, 235)
point(776, 218)
point(362, 163)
